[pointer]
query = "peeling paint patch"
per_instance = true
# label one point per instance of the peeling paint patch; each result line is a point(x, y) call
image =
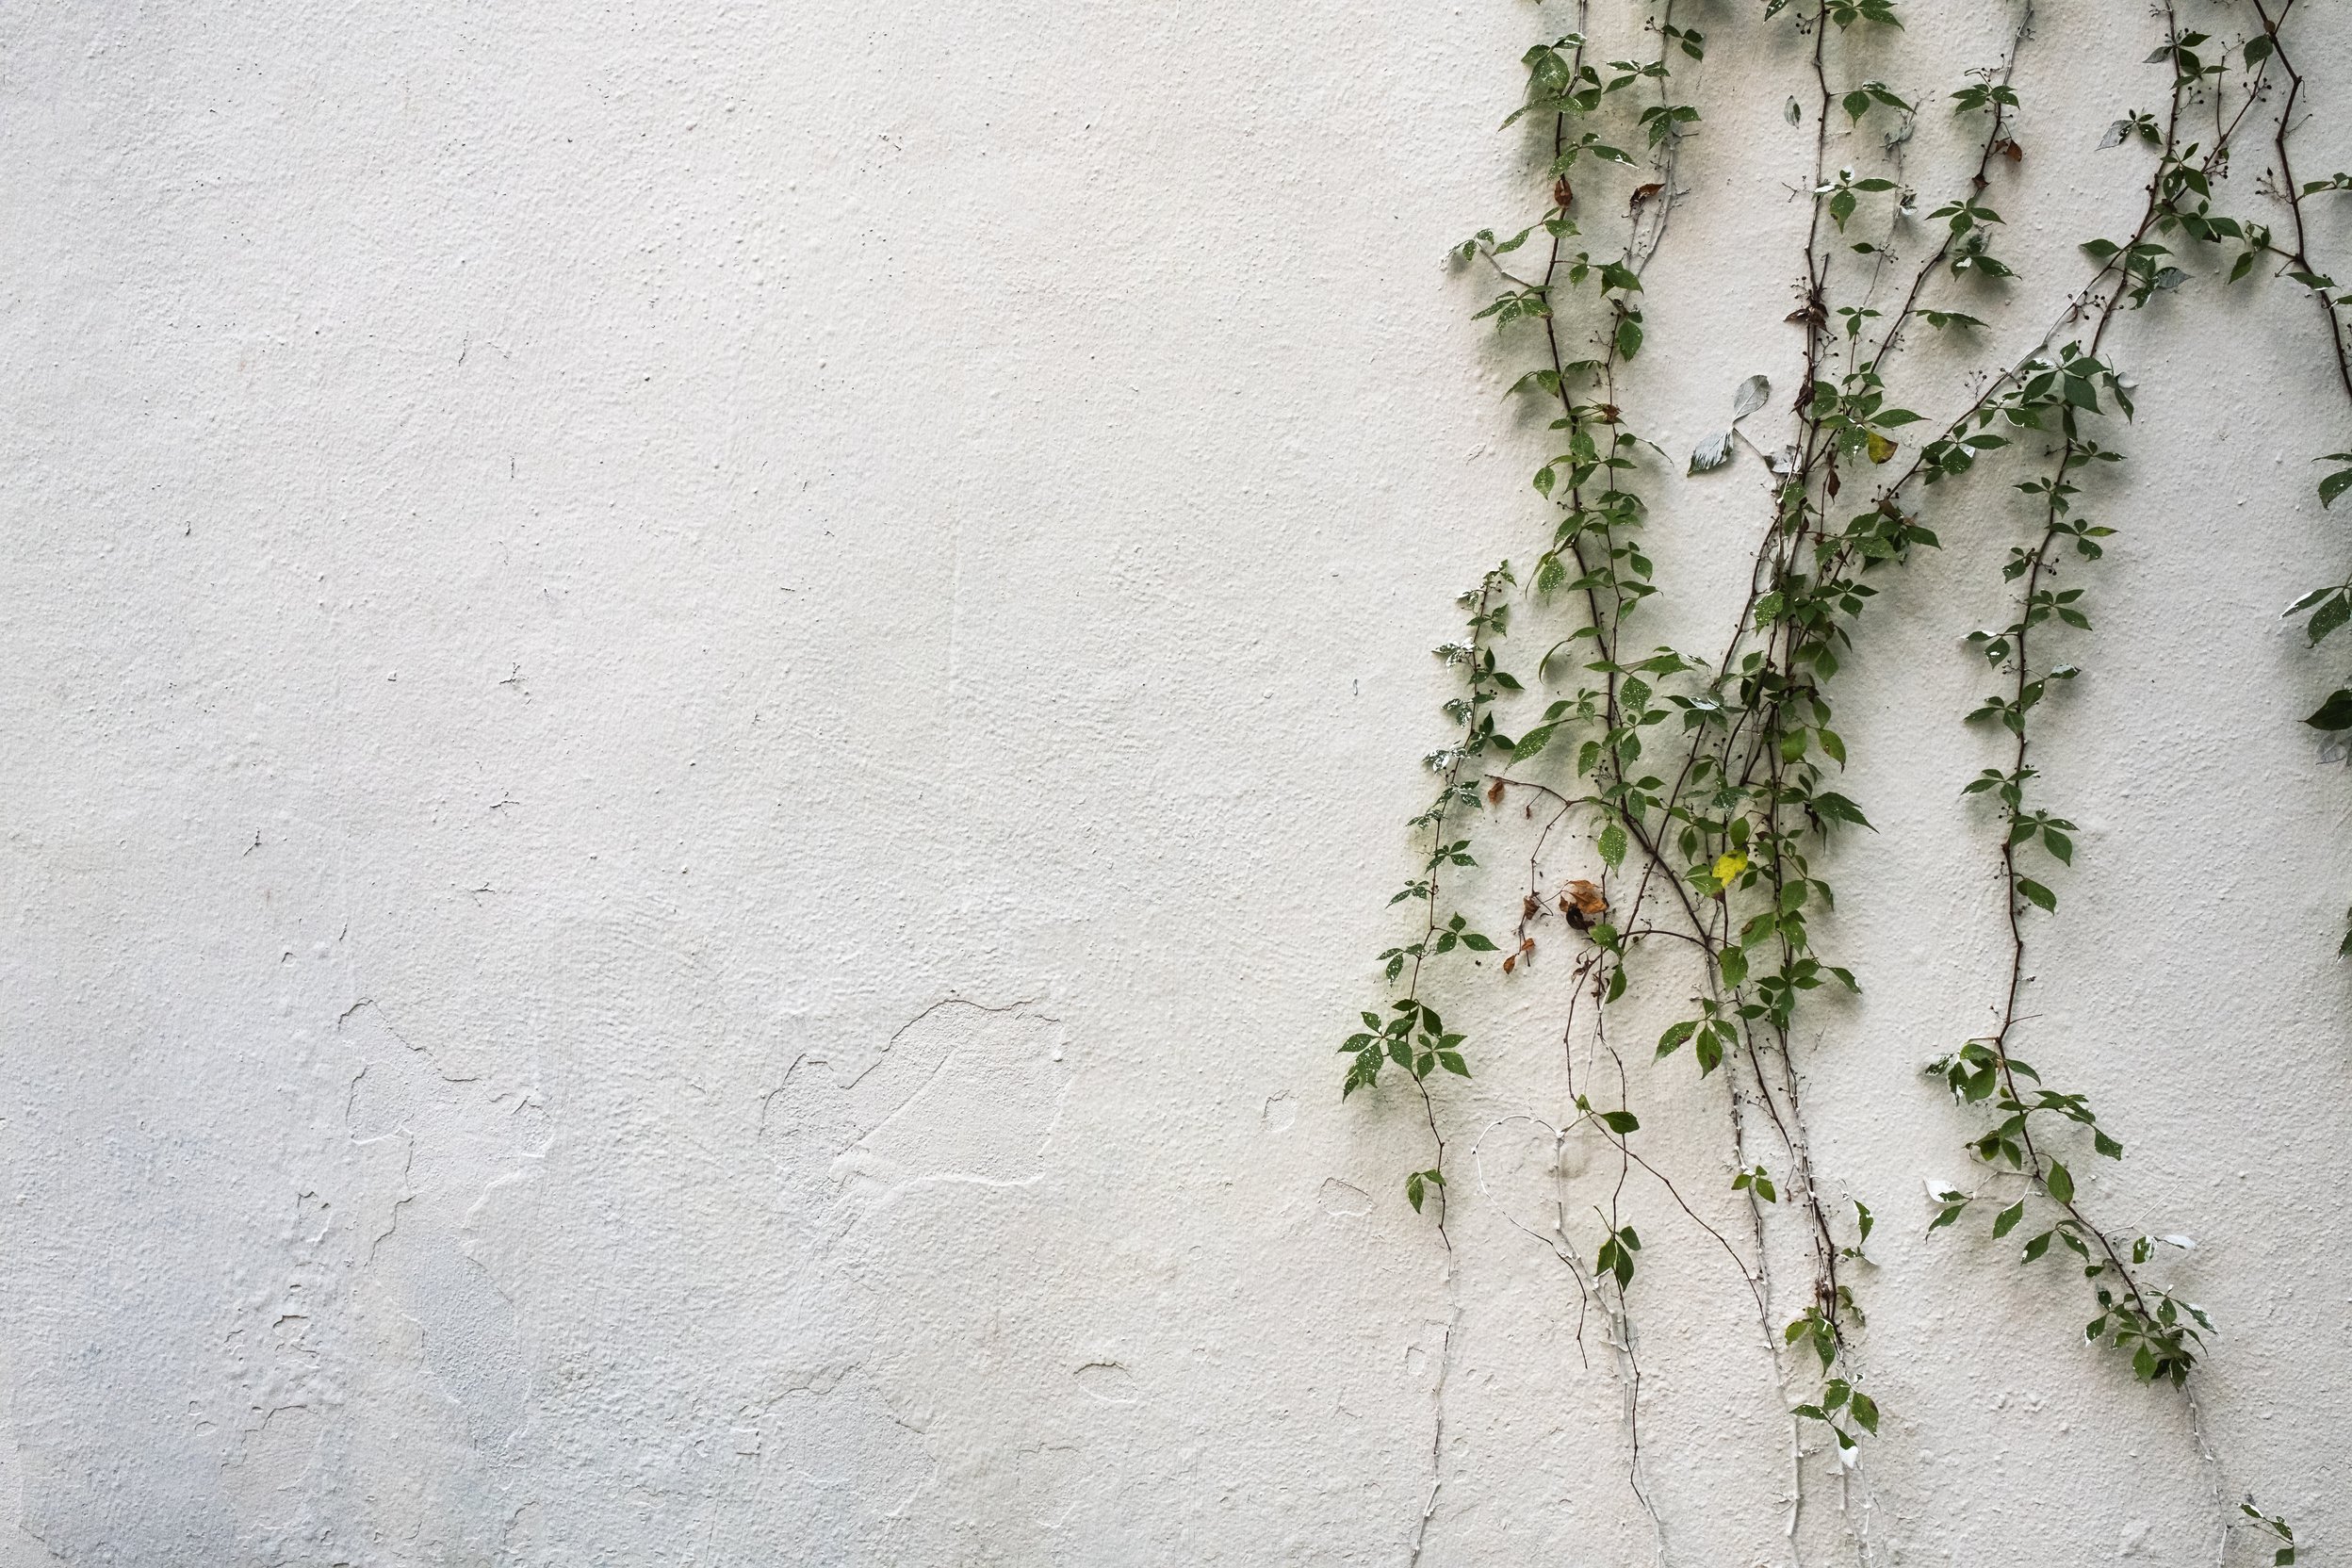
point(1108, 1381)
point(1344, 1198)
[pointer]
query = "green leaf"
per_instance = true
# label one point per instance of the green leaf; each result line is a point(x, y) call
point(2007, 1219)
point(1711, 1044)
point(2335, 714)
point(1533, 742)
point(1612, 845)
point(1836, 807)
point(2331, 614)
point(1629, 336)
point(1866, 1413)
point(2334, 485)
point(2060, 1182)
point(1621, 1122)
point(2035, 892)
point(1671, 1040)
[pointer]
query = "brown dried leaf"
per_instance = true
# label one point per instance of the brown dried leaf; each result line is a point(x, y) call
point(1563, 194)
point(1583, 902)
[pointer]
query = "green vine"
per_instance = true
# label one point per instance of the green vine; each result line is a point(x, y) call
point(1704, 785)
point(2328, 607)
point(2059, 396)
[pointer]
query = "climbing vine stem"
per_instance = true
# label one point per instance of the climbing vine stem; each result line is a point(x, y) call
point(1698, 795)
point(2328, 607)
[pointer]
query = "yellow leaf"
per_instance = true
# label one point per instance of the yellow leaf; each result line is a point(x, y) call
point(1728, 867)
point(1880, 449)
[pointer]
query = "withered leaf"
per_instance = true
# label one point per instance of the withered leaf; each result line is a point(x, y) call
point(1583, 904)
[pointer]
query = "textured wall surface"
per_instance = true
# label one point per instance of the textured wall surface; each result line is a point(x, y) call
point(708, 705)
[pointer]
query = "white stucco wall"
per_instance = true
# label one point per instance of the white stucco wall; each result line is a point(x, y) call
point(708, 705)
